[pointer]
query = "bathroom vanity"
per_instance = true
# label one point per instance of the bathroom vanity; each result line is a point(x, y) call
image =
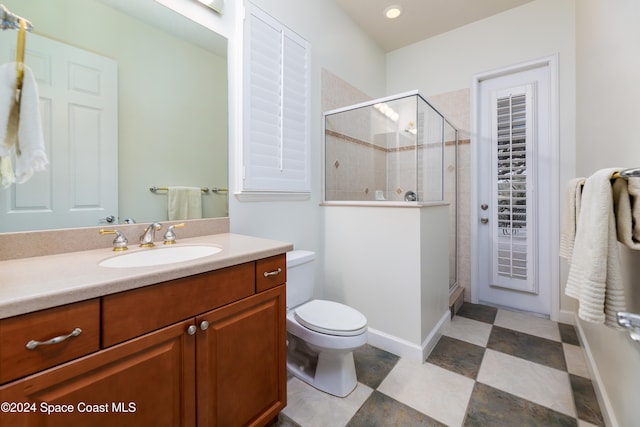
point(201, 342)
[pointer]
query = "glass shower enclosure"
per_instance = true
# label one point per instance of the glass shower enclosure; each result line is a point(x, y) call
point(394, 150)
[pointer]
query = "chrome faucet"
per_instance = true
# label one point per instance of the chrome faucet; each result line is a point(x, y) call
point(149, 234)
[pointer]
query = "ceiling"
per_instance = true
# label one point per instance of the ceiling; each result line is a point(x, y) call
point(420, 19)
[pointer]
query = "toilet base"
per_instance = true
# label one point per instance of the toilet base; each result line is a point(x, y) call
point(333, 372)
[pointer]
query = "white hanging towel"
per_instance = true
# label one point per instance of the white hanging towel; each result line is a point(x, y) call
point(594, 273)
point(570, 213)
point(20, 125)
point(626, 196)
point(184, 203)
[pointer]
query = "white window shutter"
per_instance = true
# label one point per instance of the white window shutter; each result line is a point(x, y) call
point(276, 105)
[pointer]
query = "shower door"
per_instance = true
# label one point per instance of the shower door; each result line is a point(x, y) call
point(513, 192)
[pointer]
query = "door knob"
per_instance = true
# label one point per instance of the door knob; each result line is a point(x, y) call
point(110, 219)
point(484, 220)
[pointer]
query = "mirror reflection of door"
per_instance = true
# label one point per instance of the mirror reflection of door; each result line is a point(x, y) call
point(78, 108)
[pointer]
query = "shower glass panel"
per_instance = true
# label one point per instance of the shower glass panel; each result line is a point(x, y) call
point(398, 149)
point(390, 149)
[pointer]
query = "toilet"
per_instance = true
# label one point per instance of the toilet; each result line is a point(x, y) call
point(321, 335)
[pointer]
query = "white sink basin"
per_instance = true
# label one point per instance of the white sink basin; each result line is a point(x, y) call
point(159, 256)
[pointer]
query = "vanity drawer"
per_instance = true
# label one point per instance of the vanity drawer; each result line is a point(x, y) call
point(16, 360)
point(271, 272)
point(133, 313)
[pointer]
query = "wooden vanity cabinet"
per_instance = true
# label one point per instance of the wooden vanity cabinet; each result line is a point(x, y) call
point(148, 381)
point(225, 366)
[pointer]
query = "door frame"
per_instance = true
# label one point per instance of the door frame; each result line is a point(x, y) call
point(551, 63)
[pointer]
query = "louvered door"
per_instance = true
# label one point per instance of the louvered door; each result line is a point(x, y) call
point(515, 210)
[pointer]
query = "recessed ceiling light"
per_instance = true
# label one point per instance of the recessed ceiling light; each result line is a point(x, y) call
point(393, 12)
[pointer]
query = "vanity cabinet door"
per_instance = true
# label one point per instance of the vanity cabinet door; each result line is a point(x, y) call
point(241, 361)
point(148, 381)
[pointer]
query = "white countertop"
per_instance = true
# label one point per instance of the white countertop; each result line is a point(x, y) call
point(30, 284)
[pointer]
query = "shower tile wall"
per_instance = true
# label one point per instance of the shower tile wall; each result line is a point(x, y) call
point(359, 157)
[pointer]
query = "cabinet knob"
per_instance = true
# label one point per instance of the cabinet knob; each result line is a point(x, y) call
point(191, 330)
point(204, 325)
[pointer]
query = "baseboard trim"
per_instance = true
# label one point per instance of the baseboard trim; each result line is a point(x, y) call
point(601, 394)
point(405, 349)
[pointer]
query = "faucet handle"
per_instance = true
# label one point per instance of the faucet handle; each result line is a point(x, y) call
point(170, 235)
point(120, 242)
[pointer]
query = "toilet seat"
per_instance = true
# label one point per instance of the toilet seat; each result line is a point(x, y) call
point(331, 318)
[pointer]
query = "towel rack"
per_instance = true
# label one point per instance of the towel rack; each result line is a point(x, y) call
point(155, 189)
point(628, 173)
point(11, 20)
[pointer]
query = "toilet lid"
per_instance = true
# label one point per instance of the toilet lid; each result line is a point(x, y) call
point(332, 318)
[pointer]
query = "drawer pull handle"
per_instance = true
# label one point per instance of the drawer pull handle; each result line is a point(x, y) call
point(33, 344)
point(273, 273)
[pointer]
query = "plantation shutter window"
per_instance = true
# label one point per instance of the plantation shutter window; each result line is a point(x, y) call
point(514, 219)
point(276, 107)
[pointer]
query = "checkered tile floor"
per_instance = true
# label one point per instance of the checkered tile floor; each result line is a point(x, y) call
point(492, 367)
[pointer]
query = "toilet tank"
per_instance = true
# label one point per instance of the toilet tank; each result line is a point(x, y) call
point(300, 277)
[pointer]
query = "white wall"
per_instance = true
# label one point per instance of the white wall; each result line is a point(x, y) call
point(449, 61)
point(336, 45)
point(390, 263)
point(607, 112)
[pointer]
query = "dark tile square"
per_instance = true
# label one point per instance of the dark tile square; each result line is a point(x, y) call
point(585, 399)
point(529, 347)
point(479, 312)
point(492, 407)
point(568, 334)
point(373, 365)
point(457, 356)
point(381, 410)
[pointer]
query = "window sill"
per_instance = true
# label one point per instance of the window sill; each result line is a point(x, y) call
point(271, 196)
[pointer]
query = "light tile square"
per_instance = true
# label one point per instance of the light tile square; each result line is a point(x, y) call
point(528, 324)
point(469, 330)
point(436, 392)
point(576, 360)
point(538, 383)
point(311, 407)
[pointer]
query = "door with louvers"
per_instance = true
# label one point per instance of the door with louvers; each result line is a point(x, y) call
point(513, 171)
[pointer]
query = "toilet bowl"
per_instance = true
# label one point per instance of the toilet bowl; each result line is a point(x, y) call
point(321, 335)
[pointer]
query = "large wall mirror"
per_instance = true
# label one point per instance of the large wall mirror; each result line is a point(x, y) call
point(169, 82)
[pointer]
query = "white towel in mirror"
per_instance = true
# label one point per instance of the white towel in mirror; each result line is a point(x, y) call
point(20, 125)
point(184, 203)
